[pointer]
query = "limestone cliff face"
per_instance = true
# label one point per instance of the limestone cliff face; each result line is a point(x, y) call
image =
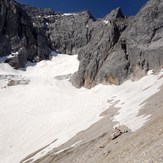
point(144, 39)
point(105, 35)
point(17, 34)
point(127, 49)
point(66, 32)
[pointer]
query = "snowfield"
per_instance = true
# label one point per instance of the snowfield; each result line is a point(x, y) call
point(34, 115)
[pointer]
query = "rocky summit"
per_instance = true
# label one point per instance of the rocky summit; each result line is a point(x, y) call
point(110, 50)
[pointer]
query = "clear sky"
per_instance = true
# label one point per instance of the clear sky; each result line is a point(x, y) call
point(98, 8)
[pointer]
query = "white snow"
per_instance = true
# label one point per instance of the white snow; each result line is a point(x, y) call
point(69, 14)
point(106, 22)
point(39, 16)
point(13, 54)
point(34, 115)
point(49, 16)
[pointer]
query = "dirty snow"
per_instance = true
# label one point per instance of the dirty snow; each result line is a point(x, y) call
point(34, 115)
point(73, 145)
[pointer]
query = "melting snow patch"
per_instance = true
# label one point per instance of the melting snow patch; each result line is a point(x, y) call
point(134, 94)
point(2, 59)
point(106, 21)
point(49, 16)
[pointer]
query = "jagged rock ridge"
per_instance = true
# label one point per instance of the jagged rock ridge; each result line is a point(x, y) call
point(135, 49)
point(110, 50)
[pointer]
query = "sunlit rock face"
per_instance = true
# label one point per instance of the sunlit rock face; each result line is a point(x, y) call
point(123, 48)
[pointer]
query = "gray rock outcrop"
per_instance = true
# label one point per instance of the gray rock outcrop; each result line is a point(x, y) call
point(66, 33)
point(125, 50)
point(17, 35)
point(105, 35)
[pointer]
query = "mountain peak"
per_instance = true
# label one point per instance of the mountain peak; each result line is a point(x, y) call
point(114, 14)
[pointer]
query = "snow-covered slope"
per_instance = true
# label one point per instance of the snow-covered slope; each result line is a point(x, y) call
point(48, 108)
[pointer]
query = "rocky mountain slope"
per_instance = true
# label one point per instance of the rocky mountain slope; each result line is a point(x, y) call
point(110, 50)
point(95, 145)
point(80, 33)
point(45, 119)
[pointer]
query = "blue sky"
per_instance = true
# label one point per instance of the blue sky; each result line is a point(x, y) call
point(98, 8)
